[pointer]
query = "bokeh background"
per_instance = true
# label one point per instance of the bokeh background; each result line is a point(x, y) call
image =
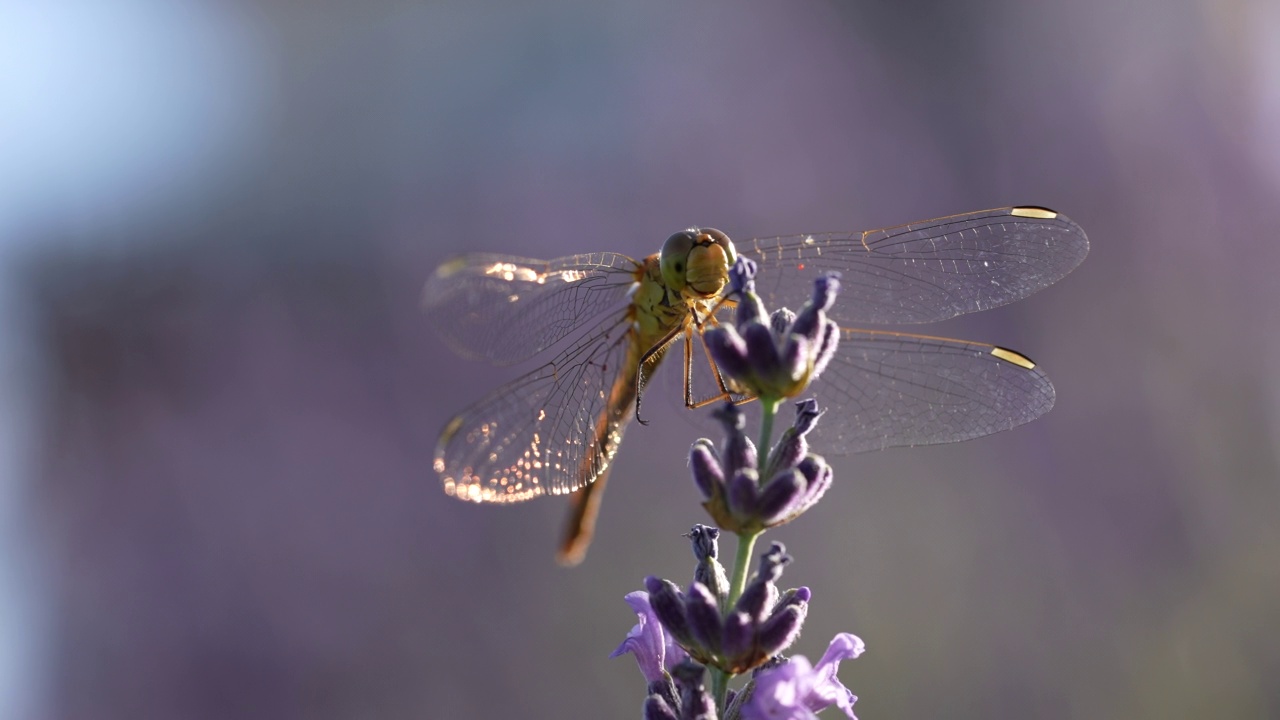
point(220, 399)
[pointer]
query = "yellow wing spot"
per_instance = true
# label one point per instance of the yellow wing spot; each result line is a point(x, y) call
point(542, 414)
point(1033, 212)
point(1010, 356)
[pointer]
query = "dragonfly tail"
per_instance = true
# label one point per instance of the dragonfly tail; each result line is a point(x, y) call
point(580, 525)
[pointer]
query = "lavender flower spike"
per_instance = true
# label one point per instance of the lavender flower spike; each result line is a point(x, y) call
point(797, 690)
point(773, 357)
point(742, 499)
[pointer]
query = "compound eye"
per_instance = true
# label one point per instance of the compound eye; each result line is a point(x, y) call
point(723, 241)
point(675, 258)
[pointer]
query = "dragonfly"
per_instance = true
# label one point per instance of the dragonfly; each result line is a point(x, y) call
point(611, 319)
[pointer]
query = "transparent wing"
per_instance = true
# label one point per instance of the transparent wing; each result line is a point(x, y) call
point(886, 389)
point(505, 309)
point(926, 271)
point(553, 430)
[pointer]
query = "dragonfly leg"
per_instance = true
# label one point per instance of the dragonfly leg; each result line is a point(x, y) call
point(724, 391)
point(688, 371)
point(650, 359)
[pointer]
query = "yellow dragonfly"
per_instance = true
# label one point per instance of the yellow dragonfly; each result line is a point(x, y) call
point(555, 429)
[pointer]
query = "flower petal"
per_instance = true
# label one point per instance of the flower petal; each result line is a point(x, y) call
point(827, 688)
point(646, 640)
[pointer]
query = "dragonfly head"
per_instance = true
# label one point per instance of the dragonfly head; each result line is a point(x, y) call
point(697, 261)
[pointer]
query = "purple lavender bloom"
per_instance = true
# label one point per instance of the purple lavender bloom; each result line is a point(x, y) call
point(739, 451)
point(794, 446)
point(741, 499)
point(742, 284)
point(797, 690)
point(708, 475)
point(761, 593)
point(762, 623)
point(655, 650)
point(776, 356)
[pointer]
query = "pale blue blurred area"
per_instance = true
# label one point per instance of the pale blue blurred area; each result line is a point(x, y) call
point(221, 400)
point(121, 113)
point(114, 118)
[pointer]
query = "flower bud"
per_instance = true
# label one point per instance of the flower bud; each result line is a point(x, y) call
point(809, 322)
point(739, 451)
point(704, 461)
point(709, 572)
point(744, 493)
point(780, 322)
point(695, 701)
point(781, 629)
point(668, 604)
point(728, 350)
point(827, 347)
point(703, 612)
point(657, 708)
point(738, 635)
point(760, 594)
point(665, 690)
point(780, 497)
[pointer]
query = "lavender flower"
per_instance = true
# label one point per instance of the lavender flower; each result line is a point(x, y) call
point(733, 491)
point(761, 624)
point(797, 690)
point(773, 357)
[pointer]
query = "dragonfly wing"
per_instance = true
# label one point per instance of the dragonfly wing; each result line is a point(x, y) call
point(551, 431)
point(926, 271)
point(505, 309)
point(890, 389)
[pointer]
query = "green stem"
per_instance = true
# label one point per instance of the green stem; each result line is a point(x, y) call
point(768, 408)
point(746, 546)
point(719, 689)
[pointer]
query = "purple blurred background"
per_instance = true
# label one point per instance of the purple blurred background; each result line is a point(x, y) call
point(220, 399)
